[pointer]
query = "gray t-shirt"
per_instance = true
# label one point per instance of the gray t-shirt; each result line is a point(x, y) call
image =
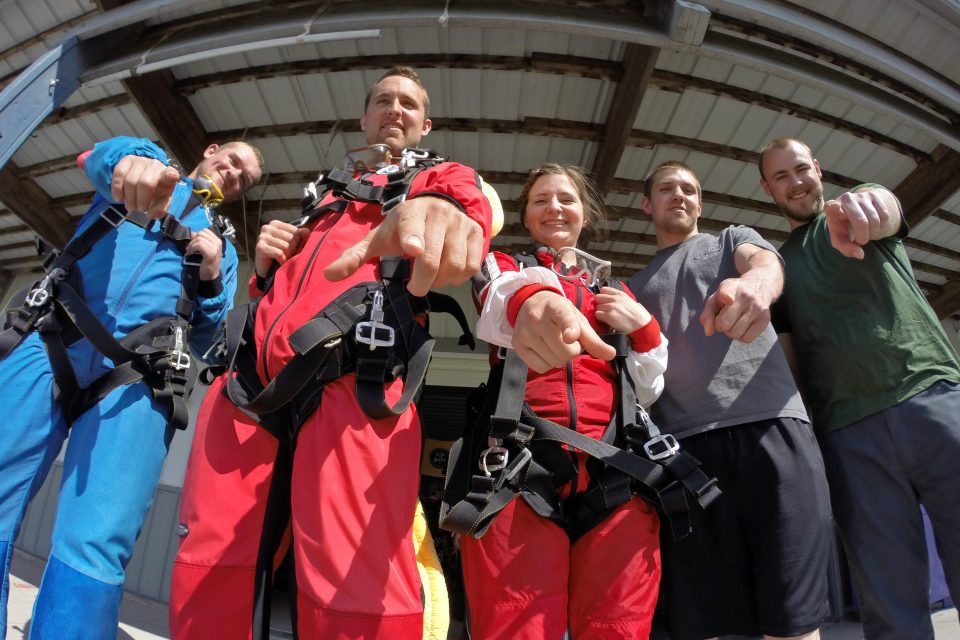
point(711, 382)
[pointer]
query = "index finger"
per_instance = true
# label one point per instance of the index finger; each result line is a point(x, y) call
point(858, 220)
point(159, 197)
point(593, 344)
point(841, 233)
point(708, 317)
point(411, 223)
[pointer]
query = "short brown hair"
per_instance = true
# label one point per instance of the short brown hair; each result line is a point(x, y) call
point(779, 143)
point(404, 72)
point(664, 166)
point(594, 215)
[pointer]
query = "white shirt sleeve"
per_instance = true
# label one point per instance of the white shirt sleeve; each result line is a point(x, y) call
point(493, 325)
point(646, 371)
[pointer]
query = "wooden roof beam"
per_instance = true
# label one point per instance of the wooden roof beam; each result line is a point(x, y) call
point(930, 185)
point(638, 64)
point(34, 207)
point(171, 115)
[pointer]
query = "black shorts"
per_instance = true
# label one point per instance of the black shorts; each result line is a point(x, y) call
point(756, 562)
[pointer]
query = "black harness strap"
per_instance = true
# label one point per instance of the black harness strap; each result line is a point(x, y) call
point(520, 456)
point(30, 305)
point(156, 353)
point(371, 329)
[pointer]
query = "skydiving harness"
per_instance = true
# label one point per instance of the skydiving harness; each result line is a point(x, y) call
point(156, 353)
point(371, 330)
point(513, 452)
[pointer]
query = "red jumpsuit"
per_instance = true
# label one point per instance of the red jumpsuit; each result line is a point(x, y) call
point(524, 578)
point(354, 480)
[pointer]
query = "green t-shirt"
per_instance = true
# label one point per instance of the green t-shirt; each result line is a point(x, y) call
point(865, 336)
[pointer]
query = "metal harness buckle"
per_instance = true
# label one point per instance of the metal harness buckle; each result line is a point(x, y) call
point(227, 230)
point(512, 470)
point(39, 295)
point(370, 331)
point(660, 446)
point(113, 216)
point(411, 156)
point(498, 463)
point(179, 359)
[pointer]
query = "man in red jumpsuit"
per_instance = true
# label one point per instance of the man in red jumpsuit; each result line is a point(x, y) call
point(353, 483)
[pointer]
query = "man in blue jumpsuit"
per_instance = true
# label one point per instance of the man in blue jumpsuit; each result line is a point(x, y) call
point(115, 453)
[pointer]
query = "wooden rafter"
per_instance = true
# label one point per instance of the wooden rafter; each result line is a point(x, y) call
point(930, 185)
point(171, 115)
point(64, 114)
point(30, 203)
point(638, 64)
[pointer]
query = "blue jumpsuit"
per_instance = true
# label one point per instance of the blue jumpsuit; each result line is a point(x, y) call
point(116, 449)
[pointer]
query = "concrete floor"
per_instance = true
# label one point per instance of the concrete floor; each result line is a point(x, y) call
point(143, 619)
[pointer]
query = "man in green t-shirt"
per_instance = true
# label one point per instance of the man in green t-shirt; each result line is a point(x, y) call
point(882, 382)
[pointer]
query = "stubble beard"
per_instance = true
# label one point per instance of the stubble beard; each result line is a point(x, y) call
point(680, 226)
point(803, 212)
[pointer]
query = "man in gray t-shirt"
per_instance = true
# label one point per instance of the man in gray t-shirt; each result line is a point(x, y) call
point(756, 561)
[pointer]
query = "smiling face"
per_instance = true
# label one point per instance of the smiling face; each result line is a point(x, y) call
point(396, 114)
point(792, 178)
point(554, 211)
point(234, 167)
point(674, 204)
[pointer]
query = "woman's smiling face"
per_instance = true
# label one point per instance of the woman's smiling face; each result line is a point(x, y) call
point(554, 212)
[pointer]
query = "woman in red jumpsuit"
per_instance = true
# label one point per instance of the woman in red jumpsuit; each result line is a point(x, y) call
point(525, 578)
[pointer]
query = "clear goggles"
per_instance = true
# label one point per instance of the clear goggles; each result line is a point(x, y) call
point(370, 159)
point(574, 264)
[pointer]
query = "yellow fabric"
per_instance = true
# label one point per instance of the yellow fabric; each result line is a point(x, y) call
point(436, 607)
point(495, 205)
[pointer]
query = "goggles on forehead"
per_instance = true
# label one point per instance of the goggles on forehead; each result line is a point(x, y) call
point(371, 158)
point(585, 267)
point(207, 189)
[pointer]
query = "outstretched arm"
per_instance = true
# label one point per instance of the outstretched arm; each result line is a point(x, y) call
point(131, 171)
point(444, 225)
point(550, 331)
point(740, 307)
point(862, 216)
point(446, 245)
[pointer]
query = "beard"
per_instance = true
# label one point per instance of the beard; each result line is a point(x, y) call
point(680, 226)
point(803, 210)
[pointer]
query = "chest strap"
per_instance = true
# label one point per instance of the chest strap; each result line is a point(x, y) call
point(156, 353)
point(371, 329)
